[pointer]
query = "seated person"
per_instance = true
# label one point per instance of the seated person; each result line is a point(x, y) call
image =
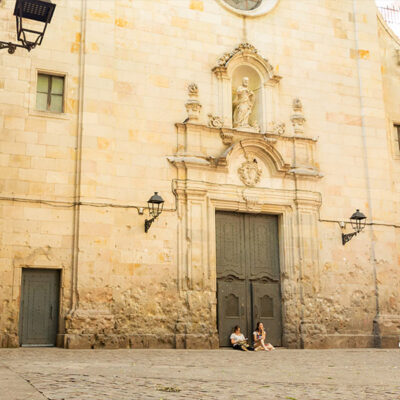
point(259, 336)
point(238, 341)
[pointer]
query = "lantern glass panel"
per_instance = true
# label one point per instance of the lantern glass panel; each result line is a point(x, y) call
point(156, 204)
point(151, 208)
point(358, 220)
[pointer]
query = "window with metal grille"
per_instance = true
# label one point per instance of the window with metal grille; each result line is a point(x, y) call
point(50, 93)
point(397, 136)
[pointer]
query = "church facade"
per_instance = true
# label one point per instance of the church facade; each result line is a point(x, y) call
point(263, 125)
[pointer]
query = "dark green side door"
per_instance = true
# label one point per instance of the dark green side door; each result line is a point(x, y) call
point(248, 275)
point(39, 307)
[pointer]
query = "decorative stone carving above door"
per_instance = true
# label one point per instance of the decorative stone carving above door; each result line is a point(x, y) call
point(250, 172)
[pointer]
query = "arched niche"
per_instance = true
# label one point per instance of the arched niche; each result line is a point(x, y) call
point(244, 60)
point(255, 84)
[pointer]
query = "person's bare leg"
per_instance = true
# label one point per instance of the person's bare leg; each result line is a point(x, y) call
point(258, 346)
point(263, 345)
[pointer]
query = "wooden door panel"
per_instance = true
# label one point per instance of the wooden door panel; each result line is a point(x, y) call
point(39, 307)
point(232, 299)
point(266, 301)
point(229, 233)
point(263, 246)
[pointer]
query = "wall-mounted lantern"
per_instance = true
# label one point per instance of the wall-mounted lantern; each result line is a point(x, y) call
point(155, 204)
point(34, 10)
point(357, 220)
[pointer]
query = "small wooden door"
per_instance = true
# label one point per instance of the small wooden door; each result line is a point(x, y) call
point(39, 307)
point(248, 276)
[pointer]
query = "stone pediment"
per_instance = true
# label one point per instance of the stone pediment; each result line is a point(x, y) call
point(248, 53)
point(258, 148)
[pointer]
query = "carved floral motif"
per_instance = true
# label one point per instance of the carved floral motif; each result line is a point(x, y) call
point(278, 128)
point(214, 121)
point(193, 90)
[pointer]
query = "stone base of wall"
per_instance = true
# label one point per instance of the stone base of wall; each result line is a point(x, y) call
point(339, 341)
point(389, 330)
point(7, 340)
point(145, 341)
point(351, 342)
point(191, 341)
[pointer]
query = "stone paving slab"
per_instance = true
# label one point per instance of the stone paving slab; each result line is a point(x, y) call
point(14, 387)
point(57, 374)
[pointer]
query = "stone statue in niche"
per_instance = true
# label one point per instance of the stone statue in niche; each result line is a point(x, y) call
point(243, 105)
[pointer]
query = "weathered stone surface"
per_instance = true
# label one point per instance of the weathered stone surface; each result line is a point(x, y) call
point(121, 137)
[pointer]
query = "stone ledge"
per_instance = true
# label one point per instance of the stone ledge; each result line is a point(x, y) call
point(350, 341)
point(137, 341)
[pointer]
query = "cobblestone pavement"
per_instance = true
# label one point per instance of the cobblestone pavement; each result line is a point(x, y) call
point(56, 374)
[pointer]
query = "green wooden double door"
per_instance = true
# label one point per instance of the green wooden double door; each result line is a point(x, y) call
point(39, 307)
point(248, 275)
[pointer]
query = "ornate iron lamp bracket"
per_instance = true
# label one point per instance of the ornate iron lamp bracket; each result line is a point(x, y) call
point(147, 224)
point(346, 237)
point(10, 46)
point(357, 220)
point(36, 10)
point(155, 205)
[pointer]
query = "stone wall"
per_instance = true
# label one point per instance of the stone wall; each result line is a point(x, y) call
point(71, 184)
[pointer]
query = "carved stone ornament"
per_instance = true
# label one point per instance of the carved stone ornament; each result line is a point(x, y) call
point(226, 136)
point(298, 118)
point(297, 105)
point(214, 121)
point(252, 202)
point(250, 173)
point(245, 49)
point(223, 60)
point(278, 128)
point(193, 106)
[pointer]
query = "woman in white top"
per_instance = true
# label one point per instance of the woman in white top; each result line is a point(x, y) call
point(238, 340)
point(259, 336)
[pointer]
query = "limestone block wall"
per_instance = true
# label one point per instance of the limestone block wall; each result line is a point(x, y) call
point(390, 286)
point(71, 184)
point(37, 162)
